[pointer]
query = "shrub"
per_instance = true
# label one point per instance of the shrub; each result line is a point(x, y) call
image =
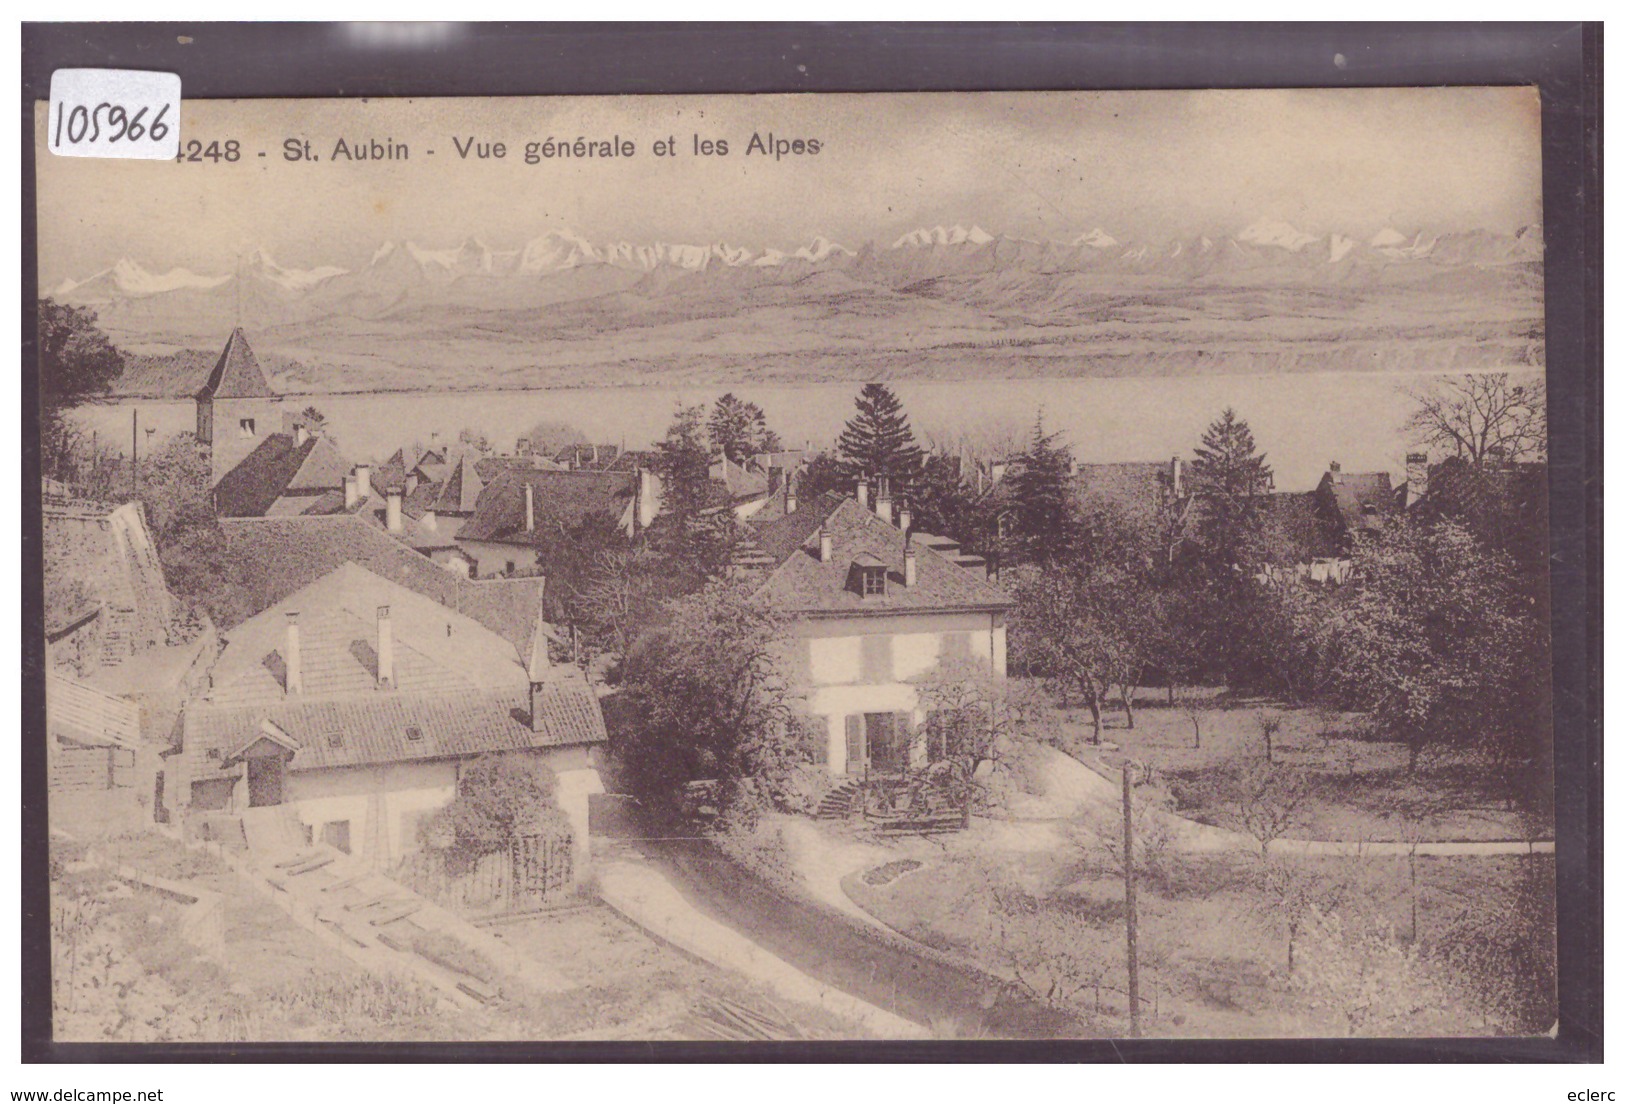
point(499, 798)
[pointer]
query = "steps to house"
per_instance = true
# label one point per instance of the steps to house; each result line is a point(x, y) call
point(838, 804)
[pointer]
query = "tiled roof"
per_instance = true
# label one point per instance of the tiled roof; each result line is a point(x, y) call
point(414, 533)
point(281, 555)
point(349, 732)
point(435, 648)
point(278, 467)
point(236, 375)
point(1353, 492)
point(83, 715)
point(802, 583)
point(561, 498)
point(455, 493)
point(595, 457)
point(741, 483)
point(112, 554)
point(1136, 484)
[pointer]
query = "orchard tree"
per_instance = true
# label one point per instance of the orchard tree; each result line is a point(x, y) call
point(976, 719)
point(738, 429)
point(878, 443)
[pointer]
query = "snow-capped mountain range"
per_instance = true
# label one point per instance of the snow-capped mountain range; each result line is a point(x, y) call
point(994, 276)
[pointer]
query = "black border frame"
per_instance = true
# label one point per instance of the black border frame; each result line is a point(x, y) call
point(216, 60)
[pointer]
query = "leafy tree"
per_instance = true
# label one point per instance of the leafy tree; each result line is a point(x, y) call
point(549, 437)
point(976, 719)
point(569, 549)
point(500, 798)
point(76, 361)
point(1229, 474)
point(738, 429)
point(823, 474)
point(474, 438)
point(624, 595)
point(1434, 642)
point(695, 527)
point(1485, 418)
point(877, 441)
point(708, 697)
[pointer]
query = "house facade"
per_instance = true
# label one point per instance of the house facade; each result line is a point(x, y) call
point(355, 703)
point(875, 609)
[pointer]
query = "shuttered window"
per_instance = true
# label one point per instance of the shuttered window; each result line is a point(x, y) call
point(855, 755)
point(877, 660)
point(955, 646)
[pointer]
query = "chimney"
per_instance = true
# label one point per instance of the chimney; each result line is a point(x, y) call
point(863, 492)
point(905, 518)
point(1416, 474)
point(993, 568)
point(883, 505)
point(386, 650)
point(351, 496)
point(392, 510)
point(530, 508)
point(363, 481)
point(826, 545)
point(996, 470)
point(1176, 478)
point(300, 434)
point(911, 565)
point(595, 456)
point(428, 521)
point(1336, 470)
point(789, 496)
point(295, 677)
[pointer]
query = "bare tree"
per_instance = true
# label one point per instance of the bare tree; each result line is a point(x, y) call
point(1481, 417)
point(1195, 714)
point(1266, 800)
point(1269, 723)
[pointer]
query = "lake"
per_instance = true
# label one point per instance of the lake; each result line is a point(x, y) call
point(1301, 421)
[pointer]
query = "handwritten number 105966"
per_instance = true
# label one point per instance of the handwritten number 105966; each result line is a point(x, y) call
point(81, 123)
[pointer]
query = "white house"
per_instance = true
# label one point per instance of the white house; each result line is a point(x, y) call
point(356, 702)
point(875, 608)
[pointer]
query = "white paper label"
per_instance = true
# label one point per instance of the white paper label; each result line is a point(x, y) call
point(115, 113)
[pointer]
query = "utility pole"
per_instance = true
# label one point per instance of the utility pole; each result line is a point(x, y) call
point(1128, 902)
point(135, 414)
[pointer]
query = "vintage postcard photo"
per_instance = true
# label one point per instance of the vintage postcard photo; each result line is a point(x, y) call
point(801, 567)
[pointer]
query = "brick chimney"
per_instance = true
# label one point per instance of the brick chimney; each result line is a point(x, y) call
point(863, 492)
point(386, 650)
point(295, 677)
point(363, 481)
point(826, 545)
point(905, 518)
point(911, 565)
point(392, 510)
point(789, 496)
point(1336, 470)
point(530, 508)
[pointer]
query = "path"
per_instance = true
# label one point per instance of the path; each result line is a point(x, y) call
point(866, 961)
point(644, 896)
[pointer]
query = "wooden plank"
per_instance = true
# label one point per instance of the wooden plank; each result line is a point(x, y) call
point(400, 912)
point(345, 884)
point(297, 859)
point(313, 864)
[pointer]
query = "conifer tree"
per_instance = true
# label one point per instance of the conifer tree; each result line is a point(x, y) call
point(738, 429)
point(1043, 498)
point(1230, 475)
point(878, 441)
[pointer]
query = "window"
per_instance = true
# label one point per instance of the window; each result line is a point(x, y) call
point(874, 581)
point(335, 739)
point(876, 658)
point(414, 733)
point(245, 427)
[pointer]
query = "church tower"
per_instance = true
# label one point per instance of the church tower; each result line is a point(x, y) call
point(236, 407)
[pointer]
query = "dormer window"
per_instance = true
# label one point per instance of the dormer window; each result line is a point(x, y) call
point(868, 576)
point(245, 427)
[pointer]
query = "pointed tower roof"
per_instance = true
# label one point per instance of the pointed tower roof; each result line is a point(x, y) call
point(236, 375)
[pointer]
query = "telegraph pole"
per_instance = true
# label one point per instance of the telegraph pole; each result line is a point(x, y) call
point(135, 415)
point(1128, 902)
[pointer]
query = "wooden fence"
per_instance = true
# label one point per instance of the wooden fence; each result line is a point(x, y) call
point(526, 874)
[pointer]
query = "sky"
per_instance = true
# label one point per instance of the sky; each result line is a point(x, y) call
point(1141, 165)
